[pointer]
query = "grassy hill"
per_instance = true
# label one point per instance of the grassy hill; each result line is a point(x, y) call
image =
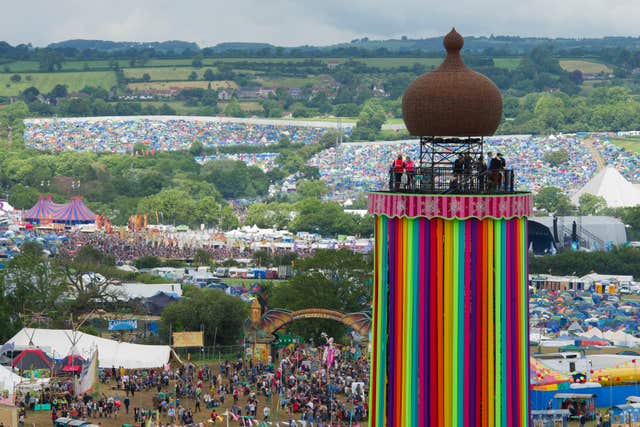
point(44, 82)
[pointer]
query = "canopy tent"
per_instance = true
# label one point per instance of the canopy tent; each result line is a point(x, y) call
point(5, 207)
point(110, 353)
point(32, 358)
point(72, 363)
point(610, 184)
point(74, 212)
point(8, 379)
point(43, 210)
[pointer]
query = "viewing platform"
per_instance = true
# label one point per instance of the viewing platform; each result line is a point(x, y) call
point(443, 180)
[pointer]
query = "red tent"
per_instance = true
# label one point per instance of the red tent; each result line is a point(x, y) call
point(74, 212)
point(43, 210)
point(72, 363)
point(32, 358)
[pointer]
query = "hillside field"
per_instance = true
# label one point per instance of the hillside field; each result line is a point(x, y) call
point(182, 84)
point(44, 82)
point(629, 143)
point(587, 67)
point(164, 73)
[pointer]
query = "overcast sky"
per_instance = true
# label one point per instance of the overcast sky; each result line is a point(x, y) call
point(317, 22)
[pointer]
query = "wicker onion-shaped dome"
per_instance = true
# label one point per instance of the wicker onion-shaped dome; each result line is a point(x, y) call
point(452, 100)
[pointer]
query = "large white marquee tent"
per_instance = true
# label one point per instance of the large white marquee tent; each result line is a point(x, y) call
point(58, 343)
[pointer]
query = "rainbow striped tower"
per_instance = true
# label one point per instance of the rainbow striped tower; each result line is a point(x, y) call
point(450, 315)
point(449, 338)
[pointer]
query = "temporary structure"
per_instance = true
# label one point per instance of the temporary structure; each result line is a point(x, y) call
point(32, 358)
point(610, 184)
point(8, 379)
point(110, 353)
point(74, 212)
point(43, 210)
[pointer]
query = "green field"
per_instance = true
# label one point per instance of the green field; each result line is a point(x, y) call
point(587, 67)
point(629, 143)
point(288, 81)
point(44, 82)
point(508, 63)
point(183, 84)
point(163, 73)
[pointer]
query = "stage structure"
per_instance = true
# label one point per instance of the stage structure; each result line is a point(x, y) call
point(450, 322)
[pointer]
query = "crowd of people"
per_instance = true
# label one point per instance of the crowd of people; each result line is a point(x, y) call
point(627, 163)
point(119, 135)
point(137, 246)
point(354, 168)
point(325, 385)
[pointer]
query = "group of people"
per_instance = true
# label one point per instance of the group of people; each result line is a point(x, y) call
point(120, 134)
point(468, 175)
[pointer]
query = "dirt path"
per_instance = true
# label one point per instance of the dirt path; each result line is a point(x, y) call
point(588, 142)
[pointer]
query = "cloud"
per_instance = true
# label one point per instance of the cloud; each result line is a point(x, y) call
point(297, 22)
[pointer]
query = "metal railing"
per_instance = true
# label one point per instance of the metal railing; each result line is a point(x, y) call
point(439, 180)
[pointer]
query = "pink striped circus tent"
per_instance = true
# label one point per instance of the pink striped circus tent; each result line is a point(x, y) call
point(44, 210)
point(74, 212)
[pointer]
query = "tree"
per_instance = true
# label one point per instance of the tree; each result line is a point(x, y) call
point(196, 148)
point(197, 62)
point(146, 77)
point(193, 76)
point(335, 280)
point(591, 205)
point(32, 285)
point(233, 109)
point(16, 78)
point(85, 276)
point(370, 120)
point(313, 189)
point(556, 158)
point(553, 200)
point(59, 91)
point(209, 75)
point(220, 315)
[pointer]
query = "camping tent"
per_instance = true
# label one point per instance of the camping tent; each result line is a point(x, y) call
point(158, 302)
point(110, 353)
point(43, 210)
point(32, 358)
point(616, 190)
point(74, 212)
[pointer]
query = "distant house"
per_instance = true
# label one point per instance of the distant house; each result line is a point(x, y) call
point(73, 95)
point(264, 92)
point(379, 92)
point(225, 95)
point(332, 63)
point(247, 93)
point(295, 91)
point(287, 115)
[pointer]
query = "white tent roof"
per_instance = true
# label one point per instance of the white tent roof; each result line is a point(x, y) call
point(110, 353)
point(5, 207)
point(8, 379)
point(128, 291)
point(616, 190)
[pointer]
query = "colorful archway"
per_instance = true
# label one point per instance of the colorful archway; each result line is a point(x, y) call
point(260, 329)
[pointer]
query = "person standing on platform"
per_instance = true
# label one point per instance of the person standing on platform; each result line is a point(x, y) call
point(410, 171)
point(398, 169)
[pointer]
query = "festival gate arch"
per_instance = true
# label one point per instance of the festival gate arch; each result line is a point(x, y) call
point(259, 329)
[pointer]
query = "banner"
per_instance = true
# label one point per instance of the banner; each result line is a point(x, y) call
point(123, 325)
point(188, 339)
point(89, 374)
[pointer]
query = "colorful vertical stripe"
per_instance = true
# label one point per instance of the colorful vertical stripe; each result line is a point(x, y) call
point(450, 342)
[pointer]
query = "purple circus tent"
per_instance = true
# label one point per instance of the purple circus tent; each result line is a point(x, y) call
point(74, 212)
point(44, 209)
